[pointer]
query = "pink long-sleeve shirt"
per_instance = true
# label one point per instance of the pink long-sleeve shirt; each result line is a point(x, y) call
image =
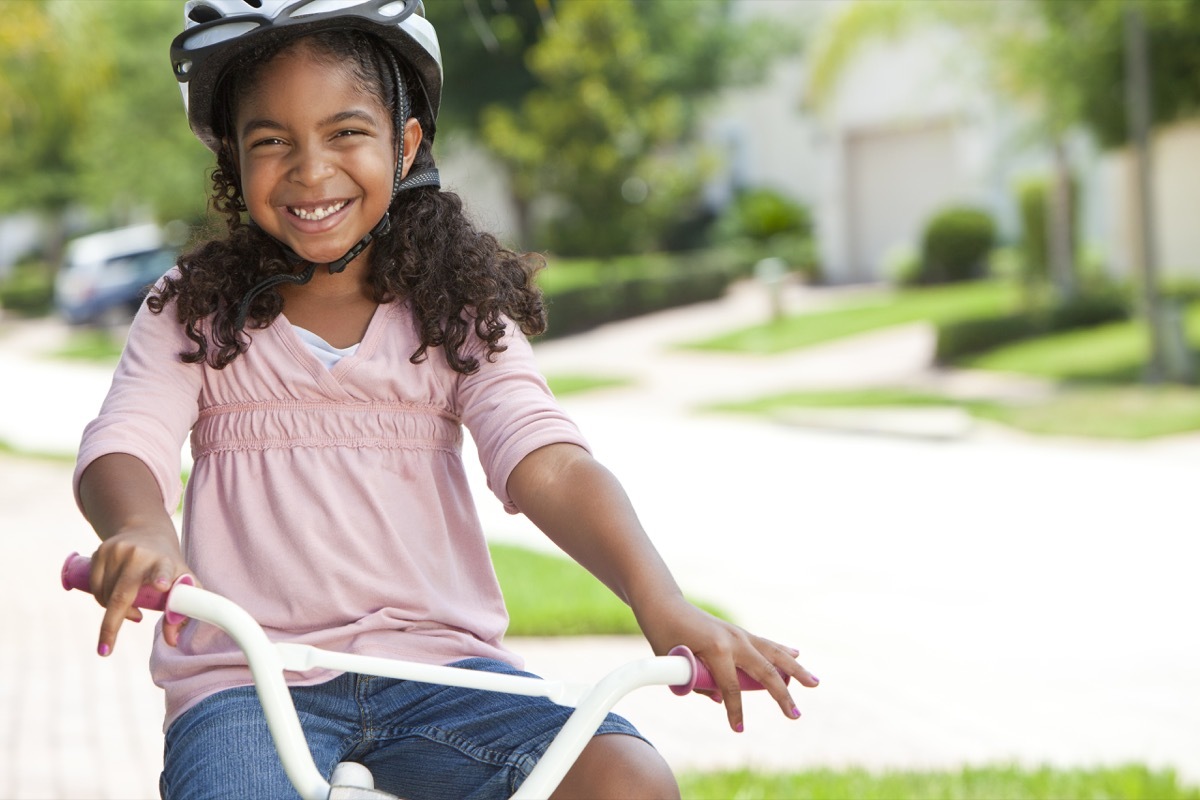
point(332, 504)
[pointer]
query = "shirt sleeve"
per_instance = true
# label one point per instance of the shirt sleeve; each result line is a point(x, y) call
point(151, 405)
point(510, 412)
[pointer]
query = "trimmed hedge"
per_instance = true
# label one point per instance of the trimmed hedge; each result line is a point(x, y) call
point(583, 308)
point(957, 340)
point(955, 245)
point(29, 291)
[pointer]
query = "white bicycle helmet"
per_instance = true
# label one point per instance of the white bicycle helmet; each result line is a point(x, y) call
point(216, 32)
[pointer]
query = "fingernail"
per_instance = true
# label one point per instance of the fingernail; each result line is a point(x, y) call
point(739, 727)
point(795, 713)
point(103, 650)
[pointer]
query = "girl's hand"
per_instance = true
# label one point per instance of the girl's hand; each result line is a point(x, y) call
point(724, 648)
point(125, 563)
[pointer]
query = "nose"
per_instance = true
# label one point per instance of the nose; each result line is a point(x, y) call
point(311, 165)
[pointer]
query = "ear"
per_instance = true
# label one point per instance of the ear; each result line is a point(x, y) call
point(412, 140)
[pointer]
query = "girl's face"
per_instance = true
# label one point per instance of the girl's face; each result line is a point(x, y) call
point(316, 155)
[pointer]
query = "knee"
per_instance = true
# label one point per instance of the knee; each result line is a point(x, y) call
point(619, 767)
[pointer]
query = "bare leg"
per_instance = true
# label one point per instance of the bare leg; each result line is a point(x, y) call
point(618, 767)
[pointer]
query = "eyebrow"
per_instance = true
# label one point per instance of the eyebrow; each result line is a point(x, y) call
point(336, 119)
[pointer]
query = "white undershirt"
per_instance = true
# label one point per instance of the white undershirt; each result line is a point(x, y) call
point(326, 353)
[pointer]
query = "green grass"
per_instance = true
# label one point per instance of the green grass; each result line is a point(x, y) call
point(8, 449)
point(1132, 782)
point(563, 274)
point(565, 384)
point(1103, 412)
point(936, 305)
point(550, 595)
point(1114, 353)
point(91, 345)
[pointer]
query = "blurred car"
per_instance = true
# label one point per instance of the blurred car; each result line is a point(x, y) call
point(107, 275)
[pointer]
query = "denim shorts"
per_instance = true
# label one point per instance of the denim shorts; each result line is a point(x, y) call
point(419, 740)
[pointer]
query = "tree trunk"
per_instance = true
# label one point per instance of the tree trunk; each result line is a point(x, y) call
point(1061, 239)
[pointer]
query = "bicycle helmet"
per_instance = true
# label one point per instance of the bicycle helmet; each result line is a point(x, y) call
point(217, 32)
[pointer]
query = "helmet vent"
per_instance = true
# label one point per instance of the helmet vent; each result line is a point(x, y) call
point(253, 3)
point(202, 14)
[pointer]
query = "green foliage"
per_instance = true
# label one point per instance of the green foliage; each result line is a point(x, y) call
point(607, 134)
point(1083, 54)
point(1131, 782)
point(959, 339)
point(89, 111)
point(1032, 198)
point(29, 290)
point(760, 214)
point(483, 55)
point(41, 107)
point(1111, 353)
point(955, 245)
point(1034, 194)
point(586, 307)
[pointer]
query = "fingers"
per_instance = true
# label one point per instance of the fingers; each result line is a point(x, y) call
point(764, 661)
point(115, 582)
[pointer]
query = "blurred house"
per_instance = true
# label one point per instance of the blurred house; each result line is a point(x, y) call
point(1175, 176)
point(910, 128)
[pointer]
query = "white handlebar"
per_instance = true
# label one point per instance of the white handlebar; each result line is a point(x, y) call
point(268, 661)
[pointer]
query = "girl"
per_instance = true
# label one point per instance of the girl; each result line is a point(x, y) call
point(324, 357)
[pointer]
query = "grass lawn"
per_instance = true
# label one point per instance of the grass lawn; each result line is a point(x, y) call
point(564, 384)
point(549, 595)
point(1103, 412)
point(987, 783)
point(91, 344)
point(1098, 368)
point(937, 304)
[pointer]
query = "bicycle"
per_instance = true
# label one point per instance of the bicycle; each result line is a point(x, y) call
point(680, 670)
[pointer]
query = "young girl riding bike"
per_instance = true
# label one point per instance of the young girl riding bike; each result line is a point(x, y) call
point(324, 356)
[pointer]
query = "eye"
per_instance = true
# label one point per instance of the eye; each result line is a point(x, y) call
point(270, 141)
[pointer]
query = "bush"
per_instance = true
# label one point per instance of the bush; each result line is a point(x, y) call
point(760, 214)
point(29, 290)
point(1033, 198)
point(583, 308)
point(958, 340)
point(631, 286)
point(955, 245)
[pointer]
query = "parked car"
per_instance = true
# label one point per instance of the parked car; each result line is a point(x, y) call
point(107, 275)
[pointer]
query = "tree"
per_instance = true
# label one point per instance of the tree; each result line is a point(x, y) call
point(133, 148)
point(90, 115)
point(608, 133)
point(40, 109)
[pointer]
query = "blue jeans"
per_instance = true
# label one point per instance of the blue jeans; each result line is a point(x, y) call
point(419, 740)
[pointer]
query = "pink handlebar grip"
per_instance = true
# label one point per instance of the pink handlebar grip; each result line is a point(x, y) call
point(77, 574)
point(703, 679)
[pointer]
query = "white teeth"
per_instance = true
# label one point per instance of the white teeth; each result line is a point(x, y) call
point(317, 213)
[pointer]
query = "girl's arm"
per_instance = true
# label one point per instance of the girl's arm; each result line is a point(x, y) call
point(582, 507)
point(121, 499)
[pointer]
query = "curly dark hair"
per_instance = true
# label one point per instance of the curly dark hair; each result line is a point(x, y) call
point(457, 278)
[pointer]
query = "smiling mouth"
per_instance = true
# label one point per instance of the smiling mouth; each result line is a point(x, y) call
point(317, 214)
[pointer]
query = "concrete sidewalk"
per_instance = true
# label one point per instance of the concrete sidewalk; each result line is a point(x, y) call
point(981, 598)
